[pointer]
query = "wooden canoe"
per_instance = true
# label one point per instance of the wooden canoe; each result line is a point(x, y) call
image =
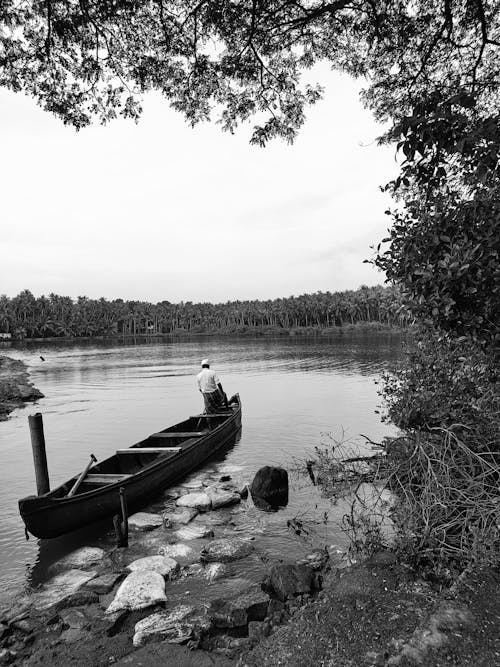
point(152, 464)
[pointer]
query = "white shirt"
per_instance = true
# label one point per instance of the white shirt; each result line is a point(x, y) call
point(207, 381)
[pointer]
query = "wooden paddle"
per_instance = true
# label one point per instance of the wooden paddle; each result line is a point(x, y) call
point(82, 476)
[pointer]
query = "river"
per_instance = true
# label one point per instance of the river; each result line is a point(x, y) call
point(101, 395)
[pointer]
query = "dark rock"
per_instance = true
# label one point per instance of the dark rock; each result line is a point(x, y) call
point(269, 488)
point(103, 584)
point(78, 599)
point(287, 580)
point(113, 622)
point(249, 605)
point(74, 635)
point(225, 478)
point(74, 619)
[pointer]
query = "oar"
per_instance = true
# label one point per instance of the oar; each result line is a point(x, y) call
point(82, 476)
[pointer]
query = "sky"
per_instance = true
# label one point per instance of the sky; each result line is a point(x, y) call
point(161, 211)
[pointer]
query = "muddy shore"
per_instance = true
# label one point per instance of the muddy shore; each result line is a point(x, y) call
point(15, 386)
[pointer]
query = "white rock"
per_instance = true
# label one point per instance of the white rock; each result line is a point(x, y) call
point(162, 564)
point(173, 625)
point(79, 559)
point(175, 550)
point(60, 587)
point(182, 516)
point(214, 571)
point(194, 532)
point(199, 500)
point(144, 521)
point(140, 589)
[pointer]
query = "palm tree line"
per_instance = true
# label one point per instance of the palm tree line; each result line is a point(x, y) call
point(25, 316)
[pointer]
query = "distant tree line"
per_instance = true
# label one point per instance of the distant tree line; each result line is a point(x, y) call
point(25, 316)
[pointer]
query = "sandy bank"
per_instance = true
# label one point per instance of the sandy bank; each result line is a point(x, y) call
point(15, 387)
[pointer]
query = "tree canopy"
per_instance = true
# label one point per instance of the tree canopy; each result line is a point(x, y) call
point(430, 69)
point(235, 59)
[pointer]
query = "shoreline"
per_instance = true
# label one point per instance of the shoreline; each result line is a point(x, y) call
point(15, 387)
point(366, 327)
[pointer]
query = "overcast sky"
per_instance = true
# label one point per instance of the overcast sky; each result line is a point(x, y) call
point(160, 211)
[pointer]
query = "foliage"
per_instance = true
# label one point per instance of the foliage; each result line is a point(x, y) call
point(447, 382)
point(24, 315)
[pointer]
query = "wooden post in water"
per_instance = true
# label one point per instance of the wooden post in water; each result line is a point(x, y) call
point(39, 455)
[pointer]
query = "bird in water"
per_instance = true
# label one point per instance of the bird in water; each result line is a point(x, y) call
point(42, 358)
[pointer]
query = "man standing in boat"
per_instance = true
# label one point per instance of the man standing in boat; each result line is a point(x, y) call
point(211, 388)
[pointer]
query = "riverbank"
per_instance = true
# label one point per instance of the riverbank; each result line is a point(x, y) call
point(15, 386)
point(255, 331)
point(372, 614)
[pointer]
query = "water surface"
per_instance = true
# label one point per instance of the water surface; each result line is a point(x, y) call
point(104, 395)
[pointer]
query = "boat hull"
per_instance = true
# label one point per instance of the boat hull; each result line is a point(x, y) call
point(47, 516)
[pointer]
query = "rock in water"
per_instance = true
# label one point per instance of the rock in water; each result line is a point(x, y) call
point(140, 589)
point(183, 516)
point(200, 501)
point(79, 559)
point(225, 550)
point(144, 521)
point(176, 625)
point(176, 550)
point(194, 532)
point(162, 564)
point(269, 488)
point(222, 497)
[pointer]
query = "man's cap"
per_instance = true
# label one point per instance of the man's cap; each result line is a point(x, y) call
point(205, 362)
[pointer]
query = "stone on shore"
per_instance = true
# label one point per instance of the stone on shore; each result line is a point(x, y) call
point(199, 501)
point(161, 564)
point(225, 550)
point(145, 521)
point(140, 589)
point(177, 625)
point(60, 588)
point(286, 580)
point(249, 605)
point(194, 532)
point(79, 559)
point(317, 559)
point(181, 517)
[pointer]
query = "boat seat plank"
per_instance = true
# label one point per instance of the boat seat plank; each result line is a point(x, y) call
point(105, 478)
point(149, 450)
point(179, 434)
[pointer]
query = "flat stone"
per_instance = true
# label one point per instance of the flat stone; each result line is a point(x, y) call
point(222, 498)
point(200, 501)
point(60, 588)
point(74, 618)
point(103, 584)
point(162, 564)
point(225, 550)
point(194, 532)
point(140, 589)
point(182, 516)
point(176, 550)
point(73, 635)
point(144, 521)
point(176, 625)
point(79, 559)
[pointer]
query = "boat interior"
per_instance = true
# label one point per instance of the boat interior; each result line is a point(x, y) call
point(129, 461)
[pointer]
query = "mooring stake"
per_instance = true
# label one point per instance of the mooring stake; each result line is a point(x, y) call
point(121, 525)
point(39, 454)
